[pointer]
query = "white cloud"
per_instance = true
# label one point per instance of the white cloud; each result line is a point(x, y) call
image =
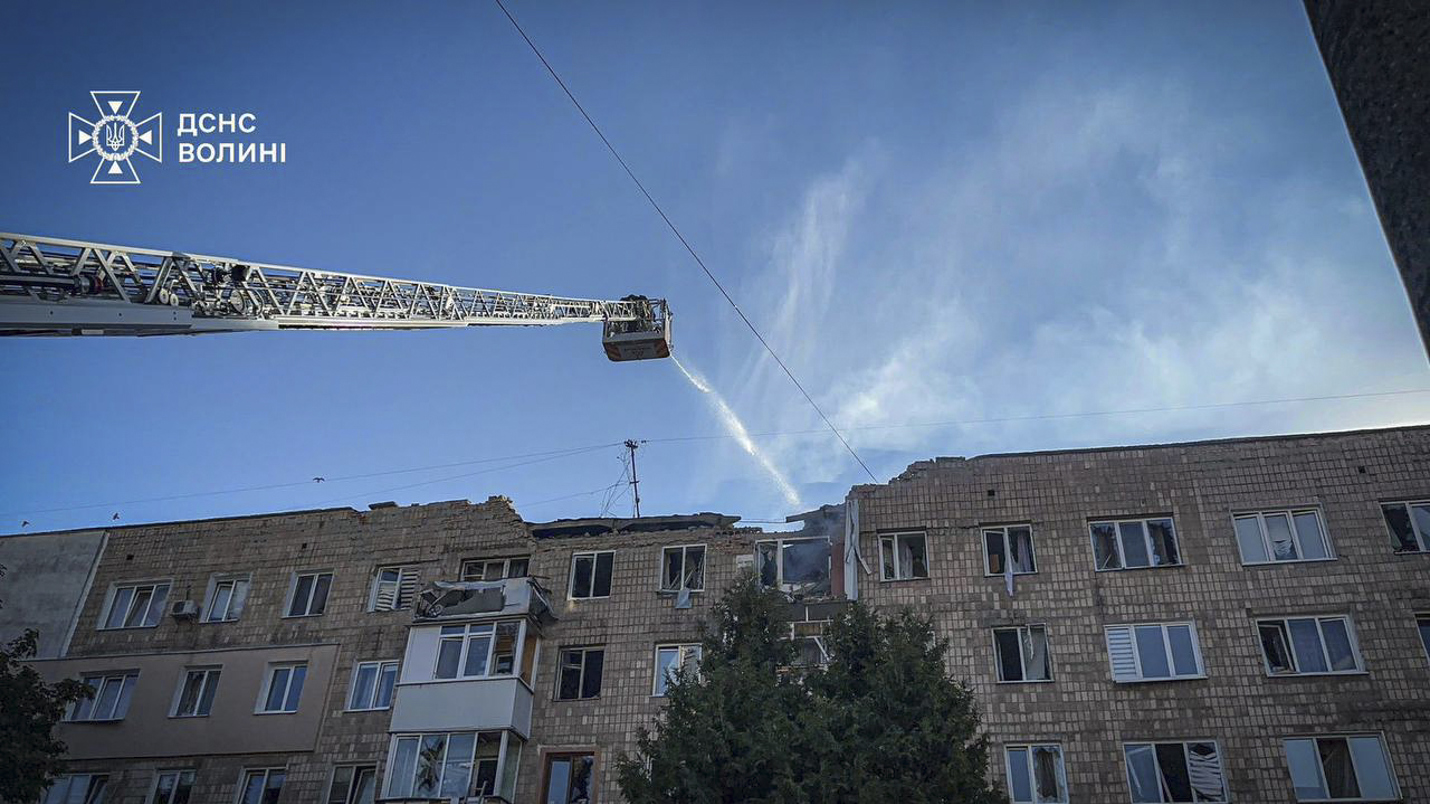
point(1103, 248)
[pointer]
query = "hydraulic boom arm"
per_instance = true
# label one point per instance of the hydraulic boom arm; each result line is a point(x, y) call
point(50, 286)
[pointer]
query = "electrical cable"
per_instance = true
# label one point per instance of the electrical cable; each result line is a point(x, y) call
point(553, 454)
point(676, 231)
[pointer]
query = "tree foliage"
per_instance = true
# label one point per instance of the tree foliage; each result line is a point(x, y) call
point(882, 723)
point(29, 709)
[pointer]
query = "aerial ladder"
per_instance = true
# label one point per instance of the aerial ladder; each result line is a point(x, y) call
point(51, 286)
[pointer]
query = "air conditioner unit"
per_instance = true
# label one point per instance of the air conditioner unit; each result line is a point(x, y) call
point(184, 610)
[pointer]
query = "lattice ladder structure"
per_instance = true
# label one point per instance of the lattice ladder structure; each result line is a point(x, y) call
point(52, 286)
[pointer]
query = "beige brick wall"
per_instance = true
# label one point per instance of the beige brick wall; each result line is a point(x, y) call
point(1200, 485)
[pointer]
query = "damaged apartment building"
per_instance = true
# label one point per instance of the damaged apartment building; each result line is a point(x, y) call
point(1235, 620)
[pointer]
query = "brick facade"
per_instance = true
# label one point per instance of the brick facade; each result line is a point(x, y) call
point(1342, 476)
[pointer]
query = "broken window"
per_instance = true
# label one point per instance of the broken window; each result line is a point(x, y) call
point(671, 660)
point(136, 605)
point(373, 685)
point(797, 566)
point(1134, 544)
point(591, 574)
point(903, 556)
point(495, 569)
point(1009, 546)
point(78, 788)
point(1303, 645)
point(226, 598)
point(810, 648)
point(1409, 524)
point(580, 674)
point(352, 784)
point(177, 786)
point(1035, 774)
point(196, 694)
point(683, 568)
point(1175, 772)
point(308, 597)
point(570, 779)
point(478, 650)
point(110, 700)
point(284, 688)
point(1022, 653)
point(262, 785)
point(1341, 769)
point(394, 588)
point(1269, 536)
point(1154, 652)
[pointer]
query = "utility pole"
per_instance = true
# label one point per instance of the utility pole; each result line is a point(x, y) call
point(633, 445)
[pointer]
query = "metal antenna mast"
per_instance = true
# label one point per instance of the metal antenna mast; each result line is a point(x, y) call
point(633, 445)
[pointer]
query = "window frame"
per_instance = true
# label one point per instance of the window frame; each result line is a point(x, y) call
point(1022, 660)
point(893, 537)
point(984, 530)
point(780, 544)
point(1186, 752)
point(1397, 792)
point(112, 597)
point(683, 650)
point(290, 598)
point(585, 651)
point(505, 742)
point(1062, 771)
point(381, 666)
point(1285, 622)
point(352, 786)
point(684, 573)
point(267, 771)
point(1142, 678)
point(402, 570)
point(178, 773)
point(1422, 629)
point(1422, 537)
point(1144, 521)
point(218, 580)
point(506, 567)
point(595, 556)
point(549, 757)
point(70, 777)
point(1290, 512)
point(466, 635)
point(213, 673)
point(88, 704)
point(269, 674)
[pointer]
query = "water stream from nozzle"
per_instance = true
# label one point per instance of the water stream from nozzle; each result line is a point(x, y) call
point(737, 430)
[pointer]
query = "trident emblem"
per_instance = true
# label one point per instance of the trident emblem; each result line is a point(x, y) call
point(115, 138)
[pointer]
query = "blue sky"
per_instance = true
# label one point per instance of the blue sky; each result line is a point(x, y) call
point(936, 212)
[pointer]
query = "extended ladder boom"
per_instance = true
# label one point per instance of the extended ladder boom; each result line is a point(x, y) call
point(50, 286)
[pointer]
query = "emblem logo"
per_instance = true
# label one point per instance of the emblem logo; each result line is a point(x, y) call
point(115, 138)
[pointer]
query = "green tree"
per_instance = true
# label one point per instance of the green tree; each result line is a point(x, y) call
point(29, 709)
point(883, 723)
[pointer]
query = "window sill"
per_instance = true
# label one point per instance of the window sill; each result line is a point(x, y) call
point(284, 712)
point(300, 616)
point(582, 599)
point(129, 627)
point(94, 721)
point(1030, 681)
point(1411, 552)
point(576, 700)
point(1004, 575)
point(1288, 561)
point(1174, 679)
point(673, 592)
point(906, 580)
point(187, 717)
point(1331, 673)
point(1139, 569)
point(370, 709)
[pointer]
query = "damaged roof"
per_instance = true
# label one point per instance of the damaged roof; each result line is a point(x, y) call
point(597, 526)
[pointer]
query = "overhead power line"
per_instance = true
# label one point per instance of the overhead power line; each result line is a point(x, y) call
point(623, 483)
point(676, 231)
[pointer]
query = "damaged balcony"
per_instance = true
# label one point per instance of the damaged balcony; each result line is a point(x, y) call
point(470, 658)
